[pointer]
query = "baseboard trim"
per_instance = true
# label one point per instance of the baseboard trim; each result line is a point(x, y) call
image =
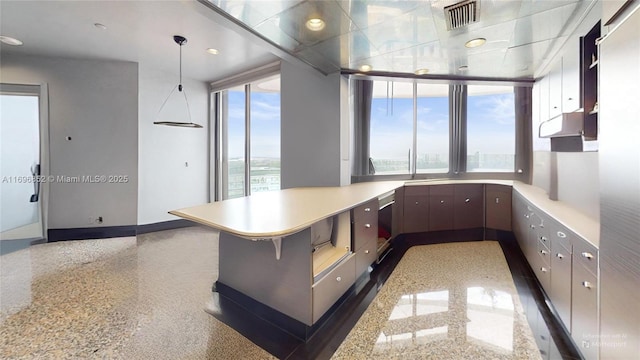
point(106, 232)
point(90, 233)
point(164, 225)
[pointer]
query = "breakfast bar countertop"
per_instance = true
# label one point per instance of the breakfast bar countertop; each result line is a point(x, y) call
point(280, 213)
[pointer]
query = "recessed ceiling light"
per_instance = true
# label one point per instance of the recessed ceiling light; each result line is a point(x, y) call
point(475, 42)
point(213, 51)
point(315, 24)
point(463, 67)
point(10, 41)
point(100, 26)
point(365, 68)
point(421, 71)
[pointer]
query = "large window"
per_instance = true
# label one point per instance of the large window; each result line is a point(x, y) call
point(491, 128)
point(411, 127)
point(432, 128)
point(249, 138)
point(391, 127)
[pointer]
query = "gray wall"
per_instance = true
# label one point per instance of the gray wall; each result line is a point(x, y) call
point(173, 162)
point(313, 118)
point(96, 104)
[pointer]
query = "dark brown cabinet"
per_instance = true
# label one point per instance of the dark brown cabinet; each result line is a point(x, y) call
point(416, 209)
point(498, 207)
point(468, 206)
point(441, 207)
point(589, 81)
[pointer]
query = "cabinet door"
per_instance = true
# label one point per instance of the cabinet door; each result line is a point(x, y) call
point(520, 220)
point(441, 207)
point(468, 206)
point(555, 89)
point(584, 321)
point(571, 76)
point(416, 209)
point(498, 207)
point(560, 293)
point(544, 103)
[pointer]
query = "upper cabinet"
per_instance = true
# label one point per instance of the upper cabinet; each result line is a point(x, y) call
point(571, 76)
point(556, 89)
point(589, 72)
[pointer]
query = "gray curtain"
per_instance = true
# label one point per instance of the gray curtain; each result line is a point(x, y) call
point(362, 95)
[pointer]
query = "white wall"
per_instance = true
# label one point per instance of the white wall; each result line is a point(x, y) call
point(577, 183)
point(96, 104)
point(312, 148)
point(568, 177)
point(165, 182)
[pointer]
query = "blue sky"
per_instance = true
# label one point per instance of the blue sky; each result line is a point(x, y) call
point(265, 124)
point(490, 125)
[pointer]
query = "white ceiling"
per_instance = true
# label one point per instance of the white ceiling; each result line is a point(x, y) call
point(391, 35)
point(139, 31)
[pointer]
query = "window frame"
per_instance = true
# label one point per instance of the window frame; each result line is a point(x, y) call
point(219, 133)
point(457, 133)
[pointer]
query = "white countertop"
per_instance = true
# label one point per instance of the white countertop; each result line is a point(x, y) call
point(584, 226)
point(280, 213)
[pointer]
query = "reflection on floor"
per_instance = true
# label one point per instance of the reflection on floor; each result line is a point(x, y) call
point(445, 301)
point(144, 298)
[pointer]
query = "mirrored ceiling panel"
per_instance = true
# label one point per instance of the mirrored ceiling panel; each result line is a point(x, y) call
point(253, 12)
point(405, 36)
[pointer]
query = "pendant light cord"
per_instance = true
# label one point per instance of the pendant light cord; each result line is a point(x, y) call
point(180, 83)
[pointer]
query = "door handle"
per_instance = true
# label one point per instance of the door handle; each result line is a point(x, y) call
point(35, 171)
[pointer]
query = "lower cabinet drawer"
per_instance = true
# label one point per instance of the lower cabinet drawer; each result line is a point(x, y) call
point(584, 311)
point(365, 256)
point(543, 271)
point(330, 288)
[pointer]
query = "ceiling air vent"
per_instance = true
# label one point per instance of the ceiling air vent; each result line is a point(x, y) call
point(461, 14)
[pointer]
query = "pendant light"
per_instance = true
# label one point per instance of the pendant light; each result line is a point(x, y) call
point(180, 40)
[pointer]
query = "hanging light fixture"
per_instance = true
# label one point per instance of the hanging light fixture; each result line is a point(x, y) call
point(180, 40)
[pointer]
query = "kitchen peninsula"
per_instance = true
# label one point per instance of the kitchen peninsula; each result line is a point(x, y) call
point(293, 250)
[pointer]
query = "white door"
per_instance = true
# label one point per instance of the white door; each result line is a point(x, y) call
point(20, 164)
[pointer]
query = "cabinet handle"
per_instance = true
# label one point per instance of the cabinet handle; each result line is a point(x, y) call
point(543, 269)
point(441, 201)
point(587, 255)
point(532, 226)
point(561, 234)
point(338, 279)
point(497, 200)
point(587, 284)
point(555, 107)
point(366, 251)
point(367, 225)
point(543, 252)
point(543, 238)
point(526, 216)
point(560, 256)
point(367, 209)
point(416, 203)
point(467, 200)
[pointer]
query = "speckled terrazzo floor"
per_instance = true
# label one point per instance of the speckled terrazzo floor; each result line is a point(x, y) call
point(444, 301)
point(125, 298)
